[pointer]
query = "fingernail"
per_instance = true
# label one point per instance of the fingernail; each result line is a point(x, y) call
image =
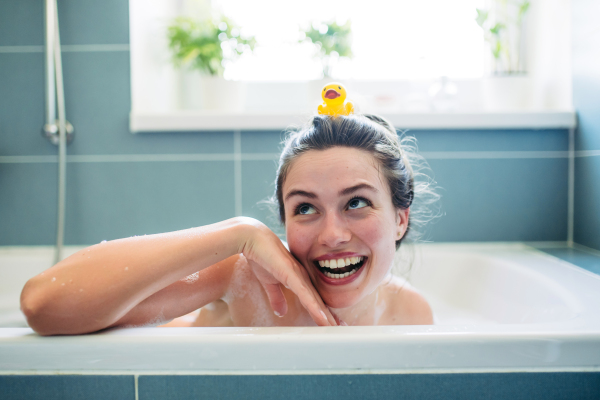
point(342, 323)
point(276, 313)
point(324, 316)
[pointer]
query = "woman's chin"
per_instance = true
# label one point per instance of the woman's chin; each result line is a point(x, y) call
point(338, 300)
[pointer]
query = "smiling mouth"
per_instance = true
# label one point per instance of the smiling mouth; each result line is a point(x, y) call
point(341, 268)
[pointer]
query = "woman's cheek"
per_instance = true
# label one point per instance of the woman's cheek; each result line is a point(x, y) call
point(298, 240)
point(371, 232)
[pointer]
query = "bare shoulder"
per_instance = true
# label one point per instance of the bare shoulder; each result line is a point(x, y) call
point(405, 305)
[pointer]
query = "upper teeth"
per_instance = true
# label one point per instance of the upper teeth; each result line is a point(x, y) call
point(340, 262)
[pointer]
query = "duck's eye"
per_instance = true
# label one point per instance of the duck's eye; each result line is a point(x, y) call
point(357, 203)
point(305, 209)
point(339, 88)
point(324, 89)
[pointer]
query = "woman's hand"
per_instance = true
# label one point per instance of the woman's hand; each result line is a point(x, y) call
point(274, 266)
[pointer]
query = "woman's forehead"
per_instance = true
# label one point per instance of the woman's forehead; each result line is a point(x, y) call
point(334, 168)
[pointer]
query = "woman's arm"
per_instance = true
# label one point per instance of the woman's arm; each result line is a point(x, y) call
point(182, 297)
point(99, 286)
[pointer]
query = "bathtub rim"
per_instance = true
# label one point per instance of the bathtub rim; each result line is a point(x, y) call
point(300, 350)
point(553, 346)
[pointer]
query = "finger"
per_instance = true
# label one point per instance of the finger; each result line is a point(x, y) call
point(330, 317)
point(311, 301)
point(276, 298)
point(339, 321)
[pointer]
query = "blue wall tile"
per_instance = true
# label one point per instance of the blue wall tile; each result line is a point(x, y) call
point(262, 142)
point(22, 114)
point(492, 140)
point(65, 387)
point(115, 200)
point(93, 22)
point(586, 99)
point(97, 89)
point(587, 201)
point(444, 140)
point(258, 184)
point(482, 200)
point(21, 23)
point(501, 200)
point(507, 386)
point(28, 200)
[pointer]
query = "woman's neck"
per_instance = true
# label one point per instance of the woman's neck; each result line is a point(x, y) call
point(368, 310)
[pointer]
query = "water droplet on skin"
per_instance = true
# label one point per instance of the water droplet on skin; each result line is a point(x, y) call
point(81, 290)
point(62, 284)
point(104, 241)
point(53, 279)
point(126, 268)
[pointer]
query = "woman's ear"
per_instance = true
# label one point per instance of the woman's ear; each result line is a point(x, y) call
point(402, 222)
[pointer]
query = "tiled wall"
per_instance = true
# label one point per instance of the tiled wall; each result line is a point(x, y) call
point(500, 386)
point(586, 98)
point(490, 190)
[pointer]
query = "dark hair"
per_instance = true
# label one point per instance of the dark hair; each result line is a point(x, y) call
point(370, 133)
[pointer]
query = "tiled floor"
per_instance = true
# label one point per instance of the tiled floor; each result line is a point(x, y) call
point(581, 258)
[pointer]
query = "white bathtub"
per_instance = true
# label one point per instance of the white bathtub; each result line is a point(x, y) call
point(498, 307)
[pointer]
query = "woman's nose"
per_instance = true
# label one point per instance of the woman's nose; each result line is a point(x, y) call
point(335, 231)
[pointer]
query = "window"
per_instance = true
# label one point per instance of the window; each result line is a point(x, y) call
point(401, 52)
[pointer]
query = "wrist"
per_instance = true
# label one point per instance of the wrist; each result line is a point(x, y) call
point(243, 230)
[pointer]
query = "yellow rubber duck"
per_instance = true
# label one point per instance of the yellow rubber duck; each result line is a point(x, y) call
point(333, 95)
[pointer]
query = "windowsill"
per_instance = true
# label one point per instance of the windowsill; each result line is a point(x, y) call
point(225, 121)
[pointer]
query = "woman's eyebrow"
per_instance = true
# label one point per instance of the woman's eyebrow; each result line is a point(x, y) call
point(353, 189)
point(304, 193)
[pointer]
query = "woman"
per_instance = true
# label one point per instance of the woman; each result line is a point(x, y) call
point(344, 189)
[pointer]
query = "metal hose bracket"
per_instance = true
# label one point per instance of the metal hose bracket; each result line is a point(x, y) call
point(50, 132)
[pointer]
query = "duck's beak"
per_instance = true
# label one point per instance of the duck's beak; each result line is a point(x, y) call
point(331, 94)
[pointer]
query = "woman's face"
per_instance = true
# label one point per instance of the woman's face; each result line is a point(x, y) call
point(338, 207)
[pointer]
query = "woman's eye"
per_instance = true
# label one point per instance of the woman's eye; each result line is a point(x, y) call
point(305, 209)
point(357, 203)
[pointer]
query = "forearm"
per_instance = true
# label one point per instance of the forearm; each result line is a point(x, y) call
point(182, 297)
point(99, 285)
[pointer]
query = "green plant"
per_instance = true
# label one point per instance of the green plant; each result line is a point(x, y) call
point(331, 41)
point(206, 45)
point(502, 27)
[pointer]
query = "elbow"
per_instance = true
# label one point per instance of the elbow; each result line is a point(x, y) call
point(32, 306)
point(37, 308)
point(51, 313)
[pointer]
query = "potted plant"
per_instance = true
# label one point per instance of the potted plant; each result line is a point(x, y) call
point(502, 25)
point(508, 87)
point(206, 46)
point(331, 42)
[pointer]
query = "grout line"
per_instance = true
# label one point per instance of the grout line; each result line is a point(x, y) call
point(261, 156)
point(21, 49)
point(237, 171)
point(571, 190)
point(237, 155)
point(135, 380)
point(441, 370)
point(75, 48)
point(70, 48)
point(587, 153)
point(107, 158)
point(444, 155)
point(28, 159)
